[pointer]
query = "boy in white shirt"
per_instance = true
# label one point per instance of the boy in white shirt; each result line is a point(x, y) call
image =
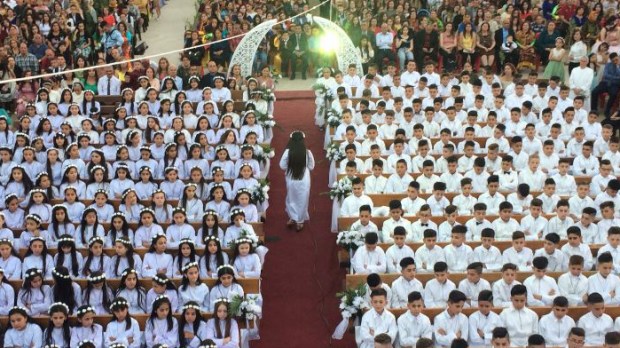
point(532, 175)
point(412, 203)
point(428, 179)
point(429, 254)
point(589, 230)
point(549, 160)
point(499, 139)
point(604, 282)
point(374, 282)
point(375, 183)
point(351, 156)
point(556, 326)
point(370, 258)
point(405, 284)
point(375, 155)
point(541, 289)
point(613, 155)
point(548, 197)
point(395, 220)
point(609, 196)
point(568, 123)
point(531, 144)
point(557, 260)
point(388, 129)
point(576, 246)
point(573, 284)
point(478, 175)
point(521, 200)
point(352, 203)
point(502, 287)
point(413, 324)
point(450, 175)
point(561, 222)
point(518, 253)
point(601, 180)
point(438, 289)
point(379, 116)
point(377, 321)
point(486, 253)
point(573, 148)
point(457, 253)
point(492, 159)
point(349, 139)
point(580, 201)
point(469, 136)
point(418, 135)
point(451, 123)
point(363, 224)
point(417, 162)
point(564, 183)
point(505, 225)
point(586, 163)
point(422, 224)
point(372, 139)
point(444, 140)
point(451, 323)
point(478, 223)
point(399, 154)
point(347, 121)
point(399, 181)
point(519, 157)
point(483, 324)
point(534, 223)
point(438, 202)
point(602, 143)
point(515, 126)
point(465, 202)
point(488, 130)
point(508, 179)
point(473, 284)
point(492, 198)
point(520, 321)
point(613, 246)
point(558, 143)
point(596, 323)
point(445, 228)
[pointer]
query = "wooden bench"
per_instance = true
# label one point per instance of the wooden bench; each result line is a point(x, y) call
point(355, 280)
point(109, 99)
point(345, 222)
point(139, 251)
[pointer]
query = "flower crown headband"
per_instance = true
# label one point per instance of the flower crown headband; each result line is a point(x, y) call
point(243, 240)
point(85, 342)
point(147, 210)
point(127, 191)
point(68, 239)
point(96, 279)
point(60, 275)
point(123, 240)
point(188, 266)
point(95, 167)
point(117, 345)
point(7, 241)
point(186, 241)
point(34, 217)
point(236, 211)
point(40, 175)
point(118, 303)
point(159, 280)
point(94, 240)
point(59, 304)
point(161, 297)
point(128, 271)
point(33, 273)
point(209, 212)
point(207, 345)
point(157, 235)
point(37, 190)
point(89, 210)
point(103, 191)
point(168, 169)
point(85, 309)
point(118, 214)
point(178, 210)
point(222, 299)
point(35, 239)
point(190, 306)
point(51, 345)
point(19, 308)
point(225, 266)
point(70, 187)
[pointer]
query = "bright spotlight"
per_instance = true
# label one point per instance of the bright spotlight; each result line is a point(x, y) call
point(329, 42)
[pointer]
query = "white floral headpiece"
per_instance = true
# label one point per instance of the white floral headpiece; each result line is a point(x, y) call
point(34, 239)
point(128, 271)
point(85, 342)
point(159, 280)
point(243, 240)
point(147, 210)
point(117, 345)
point(222, 299)
point(59, 206)
point(66, 239)
point(207, 345)
point(49, 311)
point(225, 266)
point(51, 345)
point(95, 167)
point(33, 273)
point(37, 190)
point(34, 217)
point(96, 279)
point(118, 303)
point(188, 266)
point(118, 214)
point(60, 275)
point(171, 168)
point(85, 310)
point(236, 211)
point(6, 240)
point(190, 306)
point(40, 175)
point(186, 240)
point(95, 239)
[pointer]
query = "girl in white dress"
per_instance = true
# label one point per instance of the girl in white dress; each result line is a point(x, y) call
point(34, 295)
point(132, 291)
point(297, 162)
point(119, 228)
point(213, 259)
point(191, 203)
point(96, 261)
point(23, 331)
point(225, 287)
point(124, 258)
point(163, 210)
point(222, 328)
point(87, 329)
point(65, 290)
point(122, 328)
point(68, 256)
point(97, 293)
point(148, 228)
point(89, 227)
point(161, 327)
point(218, 202)
point(246, 261)
point(163, 286)
point(7, 294)
point(185, 255)
point(10, 263)
point(192, 289)
point(192, 328)
point(243, 200)
point(180, 229)
point(58, 331)
point(156, 261)
point(39, 205)
point(33, 229)
point(38, 257)
point(60, 225)
point(210, 227)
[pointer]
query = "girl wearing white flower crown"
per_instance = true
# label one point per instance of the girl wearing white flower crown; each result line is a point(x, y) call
point(34, 296)
point(225, 287)
point(222, 328)
point(87, 329)
point(97, 293)
point(297, 161)
point(192, 328)
point(246, 262)
point(58, 331)
point(192, 289)
point(23, 331)
point(122, 329)
point(161, 327)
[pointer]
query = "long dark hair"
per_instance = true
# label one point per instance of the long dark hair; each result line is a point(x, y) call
point(228, 320)
point(158, 302)
point(195, 326)
point(192, 254)
point(66, 329)
point(89, 258)
point(63, 288)
point(97, 277)
point(297, 155)
point(129, 255)
point(67, 240)
point(139, 289)
point(27, 284)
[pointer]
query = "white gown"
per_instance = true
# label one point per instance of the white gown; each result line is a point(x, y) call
point(298, 191)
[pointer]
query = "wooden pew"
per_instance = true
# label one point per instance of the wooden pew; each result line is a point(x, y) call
point(354, 280)
point(139, 251)
point(578, 179)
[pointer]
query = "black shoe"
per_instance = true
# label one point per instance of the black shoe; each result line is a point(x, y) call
point(292, 77)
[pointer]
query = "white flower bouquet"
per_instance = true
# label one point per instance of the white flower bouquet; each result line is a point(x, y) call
point(246, 307)
point(266, 154)
point(334, 153)
point(342, 189)
point(265, 120)
point(350, 240)
point(332, 118)
point(260, 192)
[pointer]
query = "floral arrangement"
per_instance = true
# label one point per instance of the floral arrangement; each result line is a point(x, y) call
point(265, 155)
point(332, 118)
point(341, 189)
point(260, 192)
point(334, 153)
point(246, 307)
point(352, 302)
point(350, 240)
point(320, 89)
point(244, 234)
point(268, 95)
point(265, 120)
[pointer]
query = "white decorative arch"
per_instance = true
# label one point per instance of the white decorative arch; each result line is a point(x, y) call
point(346, 52)
point(246, 51)
point(244, 54)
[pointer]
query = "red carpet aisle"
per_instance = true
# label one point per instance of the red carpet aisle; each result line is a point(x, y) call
point(292, 297)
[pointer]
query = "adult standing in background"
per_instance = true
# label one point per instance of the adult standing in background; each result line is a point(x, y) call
point(297, 161)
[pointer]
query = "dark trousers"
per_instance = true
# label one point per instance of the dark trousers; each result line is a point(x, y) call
point(382, 54)
point(604, 87)
point(304, 64)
